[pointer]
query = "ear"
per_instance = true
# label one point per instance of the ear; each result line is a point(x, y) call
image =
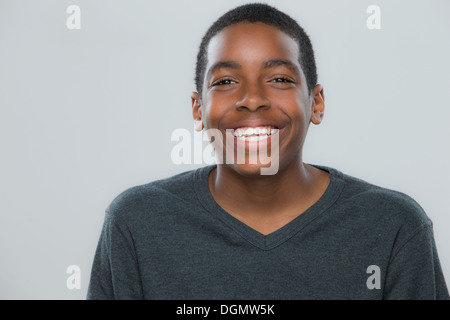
point(318, 104)
point(196, 111)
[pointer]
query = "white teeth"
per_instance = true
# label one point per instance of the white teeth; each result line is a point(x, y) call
point(256, 134)
point(253, 138)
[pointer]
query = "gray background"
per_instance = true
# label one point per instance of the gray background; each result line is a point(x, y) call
point(85, 114)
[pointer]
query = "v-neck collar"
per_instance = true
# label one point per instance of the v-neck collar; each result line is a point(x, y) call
point(277, 237)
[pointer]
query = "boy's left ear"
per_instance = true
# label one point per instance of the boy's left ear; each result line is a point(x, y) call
point(318, 104)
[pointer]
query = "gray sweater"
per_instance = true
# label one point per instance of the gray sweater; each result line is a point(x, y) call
point(169, 239)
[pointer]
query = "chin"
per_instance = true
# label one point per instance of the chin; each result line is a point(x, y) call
point(254, 170)
point(252, 159)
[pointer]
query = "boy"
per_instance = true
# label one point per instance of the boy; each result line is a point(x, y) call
point(227, 231)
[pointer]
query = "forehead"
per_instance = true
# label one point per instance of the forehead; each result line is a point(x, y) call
point(252, 42)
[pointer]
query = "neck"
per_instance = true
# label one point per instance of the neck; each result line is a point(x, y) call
point(262, 193)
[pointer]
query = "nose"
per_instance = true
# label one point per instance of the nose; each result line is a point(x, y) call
point(253, 98)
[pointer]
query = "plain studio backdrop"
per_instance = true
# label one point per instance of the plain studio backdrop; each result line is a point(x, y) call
point(87, 113)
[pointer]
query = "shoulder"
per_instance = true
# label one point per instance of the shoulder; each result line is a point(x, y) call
point(382, 203)
point(156, 196)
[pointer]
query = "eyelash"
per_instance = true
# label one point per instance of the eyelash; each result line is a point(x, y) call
point(284, 79)
point(220, 83)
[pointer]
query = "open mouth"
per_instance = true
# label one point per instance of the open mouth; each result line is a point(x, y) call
point(254, 133)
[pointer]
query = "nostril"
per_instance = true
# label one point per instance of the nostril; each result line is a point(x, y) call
point(252, 108)
point(252, 101)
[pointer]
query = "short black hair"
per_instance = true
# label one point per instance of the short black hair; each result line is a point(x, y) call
point(260, 12)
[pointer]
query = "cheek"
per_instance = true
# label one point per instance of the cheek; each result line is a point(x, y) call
point(212, 115)
point(296, 107)
point(299, 113)
point(303, 109)
point(214, 109)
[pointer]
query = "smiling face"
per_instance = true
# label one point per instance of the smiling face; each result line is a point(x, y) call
point(254, 87)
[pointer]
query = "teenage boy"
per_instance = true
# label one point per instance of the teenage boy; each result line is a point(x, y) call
point(226, 231)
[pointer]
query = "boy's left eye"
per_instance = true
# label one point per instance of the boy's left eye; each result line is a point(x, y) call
point(282, 79)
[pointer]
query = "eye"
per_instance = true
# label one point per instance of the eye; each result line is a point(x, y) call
point(223, 82)
point(282, 79)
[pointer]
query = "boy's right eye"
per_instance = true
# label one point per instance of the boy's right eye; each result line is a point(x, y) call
point(223, 82)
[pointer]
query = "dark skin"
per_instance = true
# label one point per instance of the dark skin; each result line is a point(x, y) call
point(257, 93)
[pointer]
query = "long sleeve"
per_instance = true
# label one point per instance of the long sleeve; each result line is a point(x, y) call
point(115, 270)
point(414, 272)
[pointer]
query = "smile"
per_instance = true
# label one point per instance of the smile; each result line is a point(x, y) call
point(254, 133)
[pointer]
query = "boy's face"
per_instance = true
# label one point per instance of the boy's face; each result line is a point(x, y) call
point(253, 79)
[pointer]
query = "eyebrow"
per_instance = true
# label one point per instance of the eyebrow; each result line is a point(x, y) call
point(231, 64)
point(280, 62)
